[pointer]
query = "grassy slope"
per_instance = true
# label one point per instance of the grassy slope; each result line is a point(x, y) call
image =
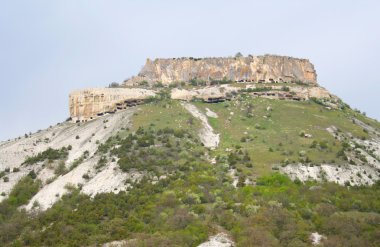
point(198, 201)
point(168, 113)
point(279, 130)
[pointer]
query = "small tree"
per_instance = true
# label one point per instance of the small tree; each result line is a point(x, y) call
point(238, 54)
point(114, 85)
point(32, 174)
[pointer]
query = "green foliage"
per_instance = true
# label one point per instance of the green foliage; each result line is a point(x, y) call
point(256, 89)
point(164, 150)
point(79, 160)
point(49, 154)
point(317, 101)
point(101, 162)
point(32, 174)
point(276, 179)
point(162, 96)
point(197, 82)
point(60, 169)
point(182, 210)
point(23, 191)
point(220, 82)
point(194, 198)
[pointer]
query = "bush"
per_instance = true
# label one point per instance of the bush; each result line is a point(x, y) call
point(60, 169)
point(32, 174)
point(49, 154)
point(25, 189)
point(101, 162)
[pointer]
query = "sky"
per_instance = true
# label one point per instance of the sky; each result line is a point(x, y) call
point(49, 48)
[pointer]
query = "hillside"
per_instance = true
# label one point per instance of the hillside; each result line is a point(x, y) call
point(227, 164)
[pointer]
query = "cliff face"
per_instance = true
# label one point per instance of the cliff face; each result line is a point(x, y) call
point(89, 103)
point(264, 69)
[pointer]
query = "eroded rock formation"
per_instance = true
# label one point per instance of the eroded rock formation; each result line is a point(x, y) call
point(88, 103)
point(252, 70)
point(274, 92)
point(255, 69)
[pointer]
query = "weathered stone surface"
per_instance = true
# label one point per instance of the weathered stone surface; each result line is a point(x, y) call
point(295, 92)
point(89, 103)
point(265, 69)
point(202, 93)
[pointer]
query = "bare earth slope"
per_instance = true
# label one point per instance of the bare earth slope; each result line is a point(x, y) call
point(81, 137)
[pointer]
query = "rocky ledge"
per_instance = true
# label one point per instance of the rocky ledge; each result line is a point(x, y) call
point(208, 79)
point(251, 69)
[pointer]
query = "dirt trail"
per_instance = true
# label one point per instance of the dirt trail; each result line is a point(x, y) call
point(206, 134)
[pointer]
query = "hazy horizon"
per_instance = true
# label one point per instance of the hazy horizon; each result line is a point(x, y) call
point(51, 48)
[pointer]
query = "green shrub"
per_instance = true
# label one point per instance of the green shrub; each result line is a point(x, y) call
point(23, 191)
point(49, 154)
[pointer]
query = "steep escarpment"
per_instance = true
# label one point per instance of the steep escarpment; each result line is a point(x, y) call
point(89, 103)
point(188, 76)
point(255, 69)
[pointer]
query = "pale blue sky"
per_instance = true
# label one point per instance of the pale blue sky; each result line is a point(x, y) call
point(48, 48)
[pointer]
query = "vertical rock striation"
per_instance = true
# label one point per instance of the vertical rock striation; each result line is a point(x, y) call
point(89, 103)
point(254, 69)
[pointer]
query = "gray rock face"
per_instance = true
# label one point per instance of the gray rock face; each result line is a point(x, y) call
point(253, 69)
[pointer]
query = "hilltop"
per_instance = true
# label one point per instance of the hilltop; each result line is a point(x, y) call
point(255, 69)
point(243, 151)
point(206, 79)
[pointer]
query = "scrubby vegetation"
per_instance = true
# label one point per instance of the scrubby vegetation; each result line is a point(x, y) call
point(183, 197)
point(270, 131)
point(163, 151)
point(184, 209)
point(50, 154)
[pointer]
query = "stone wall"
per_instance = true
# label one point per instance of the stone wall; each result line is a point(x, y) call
point(254, 69)
point(89, 103)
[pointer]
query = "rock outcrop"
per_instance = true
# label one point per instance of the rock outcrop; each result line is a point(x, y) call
point(274, 92)
point(255, 69)
point(88, 103)
point(210, 77)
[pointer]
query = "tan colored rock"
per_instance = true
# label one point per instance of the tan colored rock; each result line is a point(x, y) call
point(296, 92)
point(202, 93)
point(265, 69)
point(88, 103)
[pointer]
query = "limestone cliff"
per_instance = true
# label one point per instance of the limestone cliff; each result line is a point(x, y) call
point(255, 69)
point(89, 103)
point(252, 70)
